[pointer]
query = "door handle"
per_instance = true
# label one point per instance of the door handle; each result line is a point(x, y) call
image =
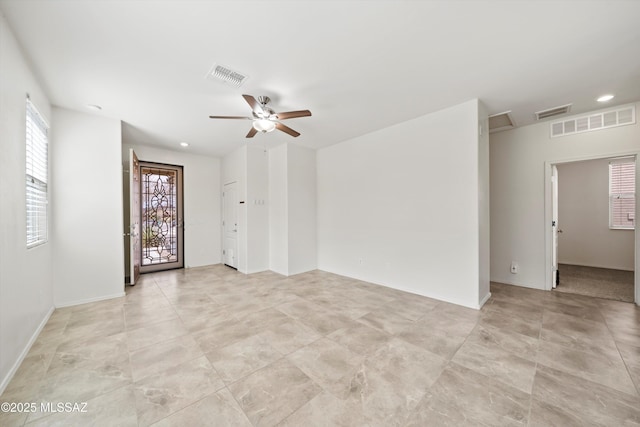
point(559, 231)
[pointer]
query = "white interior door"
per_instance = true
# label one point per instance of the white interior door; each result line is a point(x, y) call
point(554, 226)
point(134, 216)
point(230, 225)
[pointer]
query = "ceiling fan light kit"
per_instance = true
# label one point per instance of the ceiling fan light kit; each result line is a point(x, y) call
point(265, 119)
point(264, 125)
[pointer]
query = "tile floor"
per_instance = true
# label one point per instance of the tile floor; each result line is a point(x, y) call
point(212, 347)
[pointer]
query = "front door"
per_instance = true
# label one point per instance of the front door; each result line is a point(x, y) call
point(161, 217)
point(230, 225)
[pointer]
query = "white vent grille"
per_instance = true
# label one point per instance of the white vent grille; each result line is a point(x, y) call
point(555, 111)
point(595, 121)
point(226, 75)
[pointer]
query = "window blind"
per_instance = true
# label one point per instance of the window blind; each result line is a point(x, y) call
point(622, 193)
point(36, 176)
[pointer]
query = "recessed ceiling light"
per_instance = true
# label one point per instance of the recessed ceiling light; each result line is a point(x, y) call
point(184, 144)
point(94, 107)
point(605, 98)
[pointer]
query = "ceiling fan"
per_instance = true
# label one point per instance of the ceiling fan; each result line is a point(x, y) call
point(265, 119)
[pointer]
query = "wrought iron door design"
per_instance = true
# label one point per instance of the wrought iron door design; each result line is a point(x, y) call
point(161, 217)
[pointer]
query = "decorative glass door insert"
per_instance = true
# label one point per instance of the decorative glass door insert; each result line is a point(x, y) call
point(161, 217)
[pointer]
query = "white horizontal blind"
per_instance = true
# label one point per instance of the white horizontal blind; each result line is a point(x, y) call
point(36, 176)
point(622, 193)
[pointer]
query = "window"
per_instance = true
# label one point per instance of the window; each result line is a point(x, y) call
point(622, 193)
point(36, 176)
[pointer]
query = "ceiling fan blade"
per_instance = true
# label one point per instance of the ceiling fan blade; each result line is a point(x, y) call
point(287, 129)
point(255, 105)
point(231, 117)
point(252, 132)
point(293, 114)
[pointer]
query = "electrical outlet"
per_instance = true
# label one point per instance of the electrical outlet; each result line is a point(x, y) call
point(514, 267)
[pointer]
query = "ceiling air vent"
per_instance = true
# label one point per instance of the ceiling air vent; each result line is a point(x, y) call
point(501, 121)
point(226, 75)
point(594, 121)
point(563, 109)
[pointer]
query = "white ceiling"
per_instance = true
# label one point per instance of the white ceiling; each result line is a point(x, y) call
point(358, 66)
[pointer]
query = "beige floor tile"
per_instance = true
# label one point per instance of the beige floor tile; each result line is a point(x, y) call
point(326, 410)
point(209, 316)
point(411, 307)
point(383, 399)
point(386, 320)
point(511, 322)
point(413, 367)
point(576, 398)
point(462, 397)
point(155, 333)
point(161, 395)
point(360, 338)
point(103, 327)
point(494, 362)
point(580, 334)
point(521, 345)
point(327, 299)
point(116, 408)
point(83, 383)
point(219, 409)
point(239, 359)
point(439, 333)
point(99, 353)
point(12, 419)
point(139, 316)
point(315, 317)
point(608, 371)
point(289, 336)
point(271, 394)
point(162, 356)
point(326, 363)
point(545, 414)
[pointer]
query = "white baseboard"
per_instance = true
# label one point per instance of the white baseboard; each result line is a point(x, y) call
point(25, 351)
point(485, 299)
point(88, 300)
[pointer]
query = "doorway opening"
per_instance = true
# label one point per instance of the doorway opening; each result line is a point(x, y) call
point(592, 227)
point(161, 217)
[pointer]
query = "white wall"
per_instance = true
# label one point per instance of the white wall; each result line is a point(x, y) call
point(87, 208)
point(400, 206)
point(26, 284)
point(278, 211)
point(519, 158)
point(583, 216)
point(302, 209)
point(257, 207)
point(202, 214)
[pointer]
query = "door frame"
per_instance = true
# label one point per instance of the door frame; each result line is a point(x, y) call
point(134, 217)
point(180, 221)
point(548, 215)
